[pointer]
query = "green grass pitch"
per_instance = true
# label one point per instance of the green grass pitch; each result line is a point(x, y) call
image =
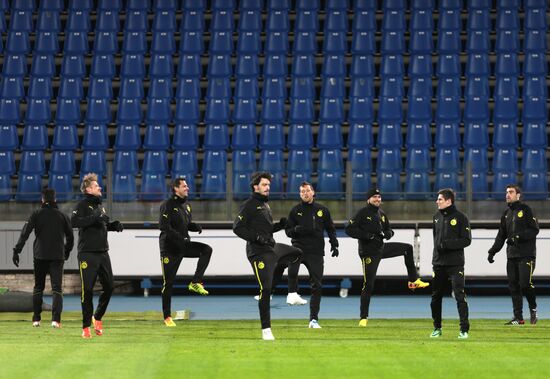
point(138, 345)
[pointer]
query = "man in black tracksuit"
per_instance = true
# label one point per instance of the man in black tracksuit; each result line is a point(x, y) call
point(175, 223)
point(93, 223)
point(306, 226)
point(451, 232)
point(370, 226)
point(519, 229)
point(254, 224)
point(52, 245)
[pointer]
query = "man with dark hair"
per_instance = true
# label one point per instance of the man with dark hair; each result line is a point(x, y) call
point(451, 232)
point(52, 246)
point(254, 224)
point(519, 229)
point(306, 225)
point(93, 223)
point(370, 226)
point(175, 223)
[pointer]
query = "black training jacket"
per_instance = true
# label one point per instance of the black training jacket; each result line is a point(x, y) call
point(369, 226)
point(451, 231)
point(519, 223)
point(314, 219)
point(255, 219)
point(53, 233)
point(92, 227)
point(175, 222)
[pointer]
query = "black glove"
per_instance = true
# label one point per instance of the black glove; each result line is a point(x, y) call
point(67, 253)
point(379, 236)
point(512, 241)
point(194, 227)
point(15, 259)
point(388, 234)
point(104, 218)
point(334, 250)
point(491, 258)
point(117, 225)
point(282, 222)
point(266, 241)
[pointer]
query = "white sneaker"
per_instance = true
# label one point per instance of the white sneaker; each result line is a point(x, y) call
point(267, 335)
point(313, 324)
point(257, 297)
point(36, 324)
point(56, 324)
point(293, 298)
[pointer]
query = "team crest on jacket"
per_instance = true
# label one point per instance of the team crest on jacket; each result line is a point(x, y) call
point(520, 214)
point(84, 265)
point(188, 208)
point(383, 218)
point(261, 265)
point(165, 260)
point(368, 261)
point(453, 222)
point(319, 213)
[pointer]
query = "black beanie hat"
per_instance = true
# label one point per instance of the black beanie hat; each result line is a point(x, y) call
point(372, 192)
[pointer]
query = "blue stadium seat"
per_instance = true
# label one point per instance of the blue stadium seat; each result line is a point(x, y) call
point(535, 86)
point(68, 111)
point(361, 110)
point(360, 184)
point(335, 42)
point(478, 64)
point(29, 187)
point(417, 186)
point(129, 111)
point(18, 42)
point(213, 186)
point(107, 19)
point(93, 161)
point(62, 184)
point(124, 187)
point(362, 66)
point(32, 162)
point(448, 110)
point(301, 110)
point(46, 43)
point(529, 4)
point(507, 19)
point(479, 19)
point(389, 135)
point(65, 137)
point(333, 5)
point(14, 65)
point(422, 86)
point(272, 136)
point(271, 161)
point(184, 161)
point(216, 137)
point(9, 111)
point(420, 65)
point(293, 183)
point(360, 160)
point(105, 42)
point(217, 111)
point(330, 136)
point(164, 20)
point(391, 86)
point(244, 161)
point(103, 66)
point(393, 42)
point(214, 161)
point(534, 160)
point(12, 87)
point(364, 20)
point(534, 64)
point(389, 159)
point(190, 65)
point(449, 42)
point(219, 65)
point(78, 21)
point(249, 42)
point(136, 20)
point(505, 110)
point(336, 20)
point(419, 134)
point(447, 180)
point(394, 20)
point(76, 42)
point(73, 66)
point(221, 42)
point(277, 20)
point(187, 111)
point(71, 88)
point(329, 185)
point(418, 159)
point(273, 111)
point(222, 20)
point(507, 41)
point(303, 66)
point(361, 87)
point(477, 93)
point(363, 42)
point(312, 5)
point(95, 137)
point(392, 65)
point(480, 186)
point(8, 138)
point(161, 66)
point(334, 66)
point(135, 42)
point(447, 160)
point(159, 88)
point(35, 137)
point(507, 64)
point(127, 137)
point(126, 162)
point(421, 42)
point(155, 161)
point(274, 88)
point(390, 110)
point(244, 137)
point(534, 109)
point(276, 42)
point(138, 5)
point(389, 183)
point(478, 159)
point(275, 65)
point(7, 162)
point(188, 88)
point(506, 86)
point(306, 20)
point(360, 135)
point(21, 21)
point(535, 41)
point(419, 109)
point(302, 88)
point(158, 111)
point(245, 110)
point(534, 135)
point(535, 185)
point(334, 88)
point(299, 160)
point(300, 136)
point(156, 137)
point(476, 134)
point(133, 65)
point(100, 88)
point(421, 19)
point(449, 19)
point(247, 66)
point(305, 42)
point(185, 137)
point(332, 110)
point(192, 42)
point(153, 187)
point(505, 159)
point(38, 111)
point(505, 134)
point(330, 160)
point(49, 20)
point(251, 20)
point(50, 5)
point(448, 65)
point(193, 20)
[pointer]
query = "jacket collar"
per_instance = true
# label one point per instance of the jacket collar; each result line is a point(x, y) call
point(515, 205)
point(179, 200)
point(49, 205)
point(446, 211)
point(260, 197)
point(93, 199)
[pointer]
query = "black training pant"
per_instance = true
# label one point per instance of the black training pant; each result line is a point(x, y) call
point(93, 266)
point(42, 267)
point(520, 281)
point(170, 264)
point(442, 274)
point(267, 266)
point(315, 264)
point(370, 266)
